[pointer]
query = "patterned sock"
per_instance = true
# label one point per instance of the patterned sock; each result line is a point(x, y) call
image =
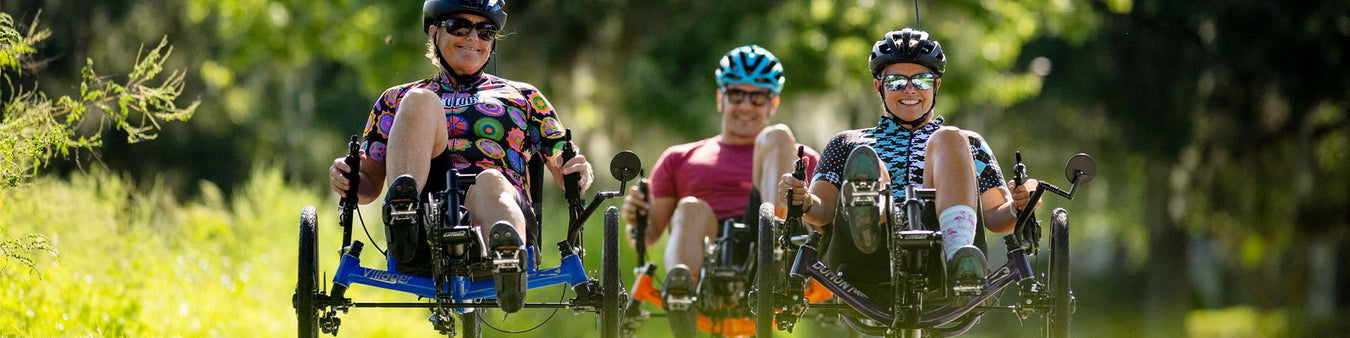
point(958, 228)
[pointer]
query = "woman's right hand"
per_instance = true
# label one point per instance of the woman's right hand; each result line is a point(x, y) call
point(336, 178)
point(785, 182)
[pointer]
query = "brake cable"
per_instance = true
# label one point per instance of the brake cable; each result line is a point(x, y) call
point(536, 326)
point(367, 230)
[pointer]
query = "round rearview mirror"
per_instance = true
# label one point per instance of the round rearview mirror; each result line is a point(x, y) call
point(625, 166)
point(1082, 166)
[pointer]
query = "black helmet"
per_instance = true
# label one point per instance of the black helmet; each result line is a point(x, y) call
point(907, 45)
point(434, 11)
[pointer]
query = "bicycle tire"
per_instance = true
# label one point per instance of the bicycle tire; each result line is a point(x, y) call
point(307, 279)
point(1061, 311)
point(765, 273)
point(610, 310)
point(473, 328)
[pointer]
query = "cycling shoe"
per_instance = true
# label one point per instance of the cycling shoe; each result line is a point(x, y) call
point(861, 198)
point(401, 219)
point(507, 252)
point(966, 270)
point(677, 299)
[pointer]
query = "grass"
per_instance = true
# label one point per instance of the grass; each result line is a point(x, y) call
point(140, 262)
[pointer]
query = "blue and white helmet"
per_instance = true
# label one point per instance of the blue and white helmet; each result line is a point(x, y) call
point(753, 65)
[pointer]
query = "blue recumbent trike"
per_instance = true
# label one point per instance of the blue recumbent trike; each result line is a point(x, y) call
point(458, 284)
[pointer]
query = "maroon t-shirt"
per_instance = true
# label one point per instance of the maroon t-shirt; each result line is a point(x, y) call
point(715, 172)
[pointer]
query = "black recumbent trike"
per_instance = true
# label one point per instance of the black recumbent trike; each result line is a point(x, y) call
point(721, 299)
point(920, 290)
point(461, 281)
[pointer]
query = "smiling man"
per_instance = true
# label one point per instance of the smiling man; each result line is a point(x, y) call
point(696, 187)
point(461, 118)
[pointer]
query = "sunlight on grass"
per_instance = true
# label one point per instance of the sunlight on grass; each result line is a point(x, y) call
point(145, 264)
point(142, 262)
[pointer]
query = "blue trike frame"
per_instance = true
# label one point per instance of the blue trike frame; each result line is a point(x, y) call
point(461, 288)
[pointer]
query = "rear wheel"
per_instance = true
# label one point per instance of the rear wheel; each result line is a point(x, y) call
point(1057, 322)
point(765, 273)
point(306, 311)
point(609, 276)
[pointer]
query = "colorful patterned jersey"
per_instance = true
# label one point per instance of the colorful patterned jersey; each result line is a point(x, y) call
point(903, 151)
point(494, 123)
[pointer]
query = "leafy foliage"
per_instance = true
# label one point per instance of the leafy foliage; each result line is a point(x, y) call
point(38, 127)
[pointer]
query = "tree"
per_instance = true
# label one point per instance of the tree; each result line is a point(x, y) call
point(36, 128)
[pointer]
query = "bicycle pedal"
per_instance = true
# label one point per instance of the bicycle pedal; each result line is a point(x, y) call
point(864, 194)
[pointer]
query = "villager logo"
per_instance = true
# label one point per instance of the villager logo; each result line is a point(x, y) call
point(836, 279)
point(387, 277)
point(458, 100)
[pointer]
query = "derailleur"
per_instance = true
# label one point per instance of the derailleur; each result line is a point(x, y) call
point(794, 303)
point(443, 322)
point(329, 322)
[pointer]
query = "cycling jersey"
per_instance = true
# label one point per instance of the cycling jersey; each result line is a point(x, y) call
point(715, 172)
point(903, 151)
point(493, 123)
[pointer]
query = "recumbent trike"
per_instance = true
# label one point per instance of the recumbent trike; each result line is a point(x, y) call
point(920, 292)
point(462, 279)
point(721, 298)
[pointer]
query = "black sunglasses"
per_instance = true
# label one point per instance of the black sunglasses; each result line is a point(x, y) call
point(758, 98)
point(461, 27)
point(897, 82)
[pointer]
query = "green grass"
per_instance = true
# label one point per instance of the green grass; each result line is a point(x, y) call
point(140, 262)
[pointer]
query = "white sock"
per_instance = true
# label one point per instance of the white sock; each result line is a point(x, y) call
point(958, 228)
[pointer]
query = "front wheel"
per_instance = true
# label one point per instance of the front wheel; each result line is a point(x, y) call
point(765, 273)
point(307, 281)
point(1057, 321)
point(609, 276)
point(473, 328)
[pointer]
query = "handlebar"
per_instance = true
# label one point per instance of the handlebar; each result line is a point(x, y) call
point(1026, 235)
point(347, 205)
point(640, 229)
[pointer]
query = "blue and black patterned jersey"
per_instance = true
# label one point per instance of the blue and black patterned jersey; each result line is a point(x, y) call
point(903, 151)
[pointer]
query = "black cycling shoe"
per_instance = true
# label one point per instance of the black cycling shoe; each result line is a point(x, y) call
point(678, 301)
point(401, 218)
point(861, 198)
point(966, 271)
point(507, 252)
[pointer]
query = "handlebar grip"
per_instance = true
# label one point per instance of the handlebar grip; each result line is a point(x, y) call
point(798, 172)
point(353, 161)
point(571, 182)
point(641, 216)
point(1019, 170)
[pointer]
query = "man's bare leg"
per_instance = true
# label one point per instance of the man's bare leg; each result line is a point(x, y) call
point(692, 221)
point(775, 155)
point(417, 135)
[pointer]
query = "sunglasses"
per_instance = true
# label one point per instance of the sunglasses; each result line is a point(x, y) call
point(758, 98)
point(897, 82)
point(461, 27)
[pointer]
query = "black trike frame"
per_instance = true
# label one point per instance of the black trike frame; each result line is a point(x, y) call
point(908, 317)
